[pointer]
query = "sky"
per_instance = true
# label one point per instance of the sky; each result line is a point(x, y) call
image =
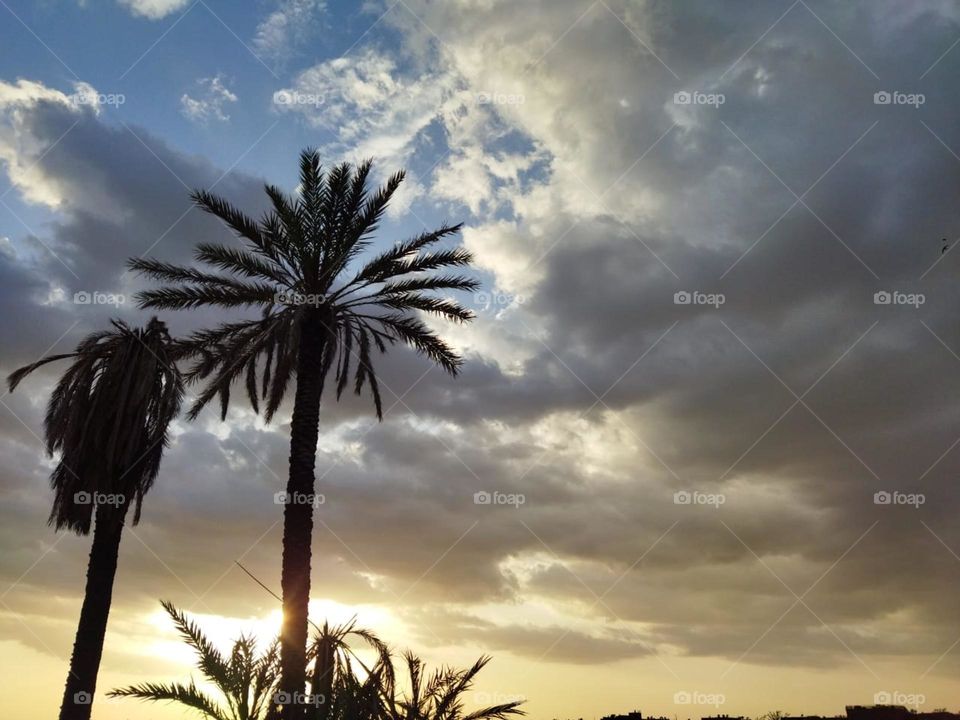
point(702, 456)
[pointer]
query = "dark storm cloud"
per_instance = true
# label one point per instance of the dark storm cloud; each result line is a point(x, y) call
point(399, 496)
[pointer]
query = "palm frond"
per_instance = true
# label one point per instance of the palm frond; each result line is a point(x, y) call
point(243, 225)
point(391, 261)
point(427, 303)
point(14, 378)
point(418, 336)
point(242, 263)
point(188, 695)
point(185, 297)
point(210, 661)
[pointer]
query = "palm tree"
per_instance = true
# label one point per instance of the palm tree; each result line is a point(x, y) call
point(318, 317)
point(246, 681)
point(108, 417)
point(441, 696)
point(346, 694)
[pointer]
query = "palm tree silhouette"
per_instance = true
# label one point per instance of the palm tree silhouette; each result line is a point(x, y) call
point(316, 319)
point(440, 695)
point(246, 680)
point(108, 417)
point(351, 690)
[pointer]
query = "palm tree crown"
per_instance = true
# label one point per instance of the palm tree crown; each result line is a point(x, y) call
point(247, 680)
point(348, 689)
point(296, 267)
point(108, 417)
point(440, 696)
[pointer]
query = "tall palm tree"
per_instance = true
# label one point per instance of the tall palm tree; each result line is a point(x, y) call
point(319, 316)
point(108, 417)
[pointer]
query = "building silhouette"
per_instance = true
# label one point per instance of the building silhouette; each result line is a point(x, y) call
point(853, 712)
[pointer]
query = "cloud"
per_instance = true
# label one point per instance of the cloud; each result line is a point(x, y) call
point(284, 31)
point(210, 105)
point(154, 9)
point(21, 142)
point(598, 397)
point(373, 108)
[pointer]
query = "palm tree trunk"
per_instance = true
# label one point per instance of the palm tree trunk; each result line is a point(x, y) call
point(88, 646)
point(322, 687)
point(298, 516)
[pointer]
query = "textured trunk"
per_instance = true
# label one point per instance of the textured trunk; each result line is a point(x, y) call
point(298, 519)
point(322, 688)
point(88, 647)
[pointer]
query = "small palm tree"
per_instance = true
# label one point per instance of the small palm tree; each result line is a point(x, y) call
point(246, 681)
point(108, 417)
point(319, 317)
point(346, 694)
point(344, 687)
point(440, 697)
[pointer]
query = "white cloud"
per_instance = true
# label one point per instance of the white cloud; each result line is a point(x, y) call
point(285, 29)
point(20, 146)
point(374, 109)
point(214, 96)
point(154, 9)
